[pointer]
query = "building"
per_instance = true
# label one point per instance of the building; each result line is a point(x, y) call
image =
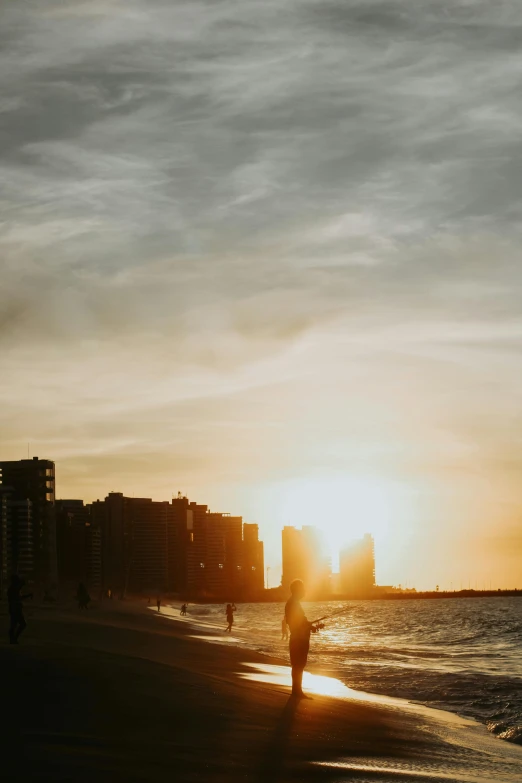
point(3, 542)
point(93, 549)
point(195, 554)
point(34, 480)
point(253, 562)
point(149, 545)
point(137, 540)
point(357, 568)
point(304, 558)
point(184, 556)
point(16, 537)
point(78, 545)
point(111, 517)
point(72, 519)
point(215, 562)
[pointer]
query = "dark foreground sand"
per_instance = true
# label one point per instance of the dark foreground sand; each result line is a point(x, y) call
point(121, 695)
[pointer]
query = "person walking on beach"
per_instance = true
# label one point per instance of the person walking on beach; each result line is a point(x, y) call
point(231, 608)
point(82, 596)
point(300, 630)
point(183, 612)
point(16, 608)
point(158, 603)
point(284, 630)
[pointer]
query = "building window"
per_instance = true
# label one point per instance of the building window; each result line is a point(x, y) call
point(202, 565)
point(239, 568)
point(221, 565)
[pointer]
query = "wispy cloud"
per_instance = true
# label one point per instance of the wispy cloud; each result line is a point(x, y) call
point(297, 224)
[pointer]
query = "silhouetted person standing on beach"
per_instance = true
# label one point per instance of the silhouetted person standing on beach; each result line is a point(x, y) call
point(183, 612)
point(158, 603)
point(16, 608)
point(82, 596)
point(300, 629)
point(231, 608)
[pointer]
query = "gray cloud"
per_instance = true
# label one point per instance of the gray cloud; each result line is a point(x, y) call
point(246, 214)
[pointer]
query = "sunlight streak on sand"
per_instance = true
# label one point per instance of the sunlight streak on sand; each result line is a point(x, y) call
point(321, 685)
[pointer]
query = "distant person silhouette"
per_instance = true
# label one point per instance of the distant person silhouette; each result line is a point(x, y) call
point(183, 612)
point(284, 630)
point(82, 596)
point(158, 603)
point(231, 608)
point(16, 608)
point(300, 630)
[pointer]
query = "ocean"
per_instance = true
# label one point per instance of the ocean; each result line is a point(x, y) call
point(460, 655)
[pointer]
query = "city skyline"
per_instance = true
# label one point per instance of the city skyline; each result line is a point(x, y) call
point(274, 564)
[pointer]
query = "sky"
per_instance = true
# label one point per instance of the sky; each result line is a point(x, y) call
point(268, 254)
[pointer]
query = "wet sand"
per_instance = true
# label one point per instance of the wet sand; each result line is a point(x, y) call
point(118, 693)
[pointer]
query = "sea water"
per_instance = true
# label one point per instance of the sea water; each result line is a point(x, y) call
point(461, 655)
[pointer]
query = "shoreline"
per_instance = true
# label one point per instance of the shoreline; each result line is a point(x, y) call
point(119, 693)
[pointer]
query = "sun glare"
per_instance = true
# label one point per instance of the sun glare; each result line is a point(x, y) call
point(344, 508)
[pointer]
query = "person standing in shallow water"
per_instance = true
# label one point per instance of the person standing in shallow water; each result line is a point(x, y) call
point(300, 630)
point(231, 608)
point(158, 603)
point(16, 608)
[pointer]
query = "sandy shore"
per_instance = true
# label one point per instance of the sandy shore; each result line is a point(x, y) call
point(120, 694)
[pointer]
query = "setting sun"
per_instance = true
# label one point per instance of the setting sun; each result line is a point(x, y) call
point(346, 507)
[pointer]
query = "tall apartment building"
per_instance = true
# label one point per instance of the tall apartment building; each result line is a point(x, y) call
point(253, 562)
point(78, 545)
point(215, 555)
point(304, 558)
point(185, 555)
point(72, 518)
point(357, 568)
point(16, 537)
point(111, 516)
point(195, 553)
point(138, 538)
point(150, 524)
point(93, 556)
point(33, 480)
point(3, 543)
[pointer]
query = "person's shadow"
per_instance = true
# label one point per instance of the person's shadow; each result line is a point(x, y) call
point(272, 764)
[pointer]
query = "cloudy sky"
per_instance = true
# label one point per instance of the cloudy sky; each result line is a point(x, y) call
point(268, 254)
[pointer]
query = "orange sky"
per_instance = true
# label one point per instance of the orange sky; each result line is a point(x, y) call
point(274, 264)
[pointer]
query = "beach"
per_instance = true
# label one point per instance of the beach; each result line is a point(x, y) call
point(120, 693)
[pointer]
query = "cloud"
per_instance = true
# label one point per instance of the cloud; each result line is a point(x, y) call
point(288, 233)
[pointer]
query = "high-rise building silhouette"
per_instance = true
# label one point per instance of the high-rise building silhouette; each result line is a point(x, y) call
point(16, 537)
point(72, 519)
point(3, 542)
point(304, 558)
point(357, 567)
point(215, 562)
point(33, 480)
point(149, 551)
point(78, 544)
point(137, 537)
point(253, 561)
point(112, 518)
